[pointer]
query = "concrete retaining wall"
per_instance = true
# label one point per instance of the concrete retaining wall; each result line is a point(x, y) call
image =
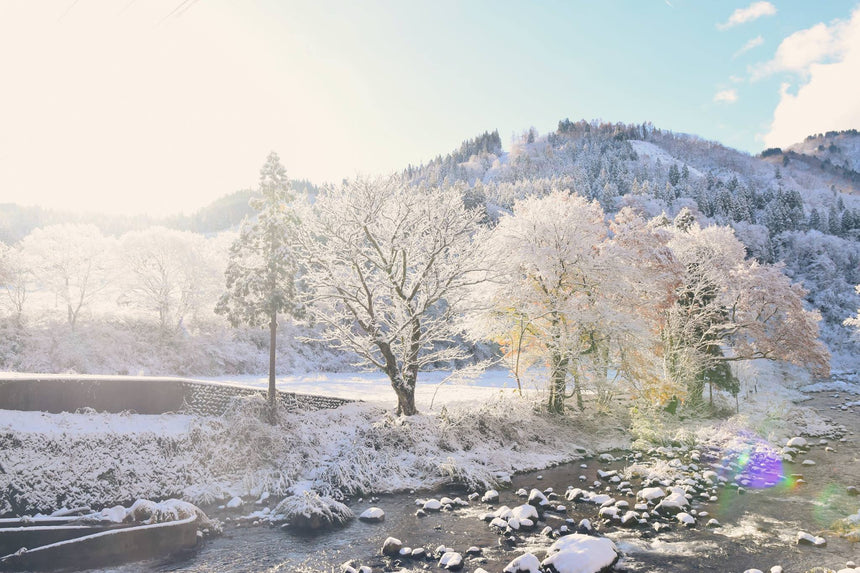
point(144, 395)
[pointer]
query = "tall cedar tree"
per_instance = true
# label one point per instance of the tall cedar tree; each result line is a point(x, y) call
point(261, 269)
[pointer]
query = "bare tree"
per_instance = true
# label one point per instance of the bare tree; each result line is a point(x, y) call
point(73, 261)
point(386, 265)
point(166, 273)
point(14, 276)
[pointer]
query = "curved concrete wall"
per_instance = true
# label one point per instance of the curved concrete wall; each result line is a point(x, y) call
point(144, 395)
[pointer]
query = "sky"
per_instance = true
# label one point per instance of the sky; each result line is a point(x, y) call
point(161, 106)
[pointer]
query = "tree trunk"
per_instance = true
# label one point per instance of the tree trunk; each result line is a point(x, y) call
point(273, 334)
point(557, 384)
point(405, 401)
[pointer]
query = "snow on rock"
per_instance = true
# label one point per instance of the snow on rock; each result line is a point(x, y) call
point(525, 511)
point(675, 502)
point(804, 538)
point(432, 505)
point(577, 553)
point(600, 498)
point(650, 494)
point(686, 519)
point(372, 515)
point(235, 502)
point(391, 546)
point(796, 442)
point(451, 560)
point(526, 563)
point(537, 498)
point(490, 496)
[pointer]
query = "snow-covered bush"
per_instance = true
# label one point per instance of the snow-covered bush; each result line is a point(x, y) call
point(310, 511)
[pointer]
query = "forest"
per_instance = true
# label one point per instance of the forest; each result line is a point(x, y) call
point(619, 258)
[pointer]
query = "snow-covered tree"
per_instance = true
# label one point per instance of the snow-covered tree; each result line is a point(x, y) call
point(560, 292)
point(14, 276)
point(72, 261)
point(854, 320)
point(260, 273)
point(728, 309)
point(166, 273)
point(386, 265)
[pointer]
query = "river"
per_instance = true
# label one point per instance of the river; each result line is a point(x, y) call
point(758, 528)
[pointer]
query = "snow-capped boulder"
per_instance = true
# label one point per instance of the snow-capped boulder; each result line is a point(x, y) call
point(574, 494)
point(650, 494)
point(577, 553)
point(538, 499)
point(804, 538)
point(525, 511)
point(490, 496)
point(608, 512)
point(392, 546)
point(600, 499)
point(372, 515)
point(451, 560)
point(432, 505)
point(675, 502)
point(235, 503)
point(526, 563)
point(686, 519)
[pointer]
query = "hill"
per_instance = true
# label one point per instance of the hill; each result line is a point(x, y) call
point(800, 206)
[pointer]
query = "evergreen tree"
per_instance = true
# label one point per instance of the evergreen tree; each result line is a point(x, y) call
point(815, 220)
point(260, 273)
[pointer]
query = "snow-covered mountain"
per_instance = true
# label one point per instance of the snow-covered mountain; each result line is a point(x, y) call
point(800, 206)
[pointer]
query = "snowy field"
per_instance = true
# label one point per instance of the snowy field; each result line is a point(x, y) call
point(448, 387)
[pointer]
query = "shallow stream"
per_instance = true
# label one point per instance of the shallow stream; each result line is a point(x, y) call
point(758, 529)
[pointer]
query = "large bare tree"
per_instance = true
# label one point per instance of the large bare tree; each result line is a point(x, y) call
point(386, 265)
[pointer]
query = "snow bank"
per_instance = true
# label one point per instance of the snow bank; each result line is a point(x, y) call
point(100, 460)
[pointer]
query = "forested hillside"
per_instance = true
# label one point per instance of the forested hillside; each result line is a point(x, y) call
point(137, 295)
point(799, 206)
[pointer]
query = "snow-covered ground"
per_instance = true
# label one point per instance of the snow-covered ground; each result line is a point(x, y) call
point(442, 387)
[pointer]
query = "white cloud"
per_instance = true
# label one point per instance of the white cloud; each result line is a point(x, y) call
point(752, 12)
point(799, 51)
point(827, 97)
point(726, 96)
point(754, 43)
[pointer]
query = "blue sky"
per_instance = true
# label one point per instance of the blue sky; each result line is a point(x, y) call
point(162, 106)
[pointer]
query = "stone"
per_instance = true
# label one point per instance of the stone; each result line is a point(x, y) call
point(796, 442)
point(451, 560)
point(526, 563)
point(577, 553)
point(804, 538)
point(432, 505)
point(372, 515)
point(392, 546)
point(537, 498)
point(234, 503)
point(490, 496)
